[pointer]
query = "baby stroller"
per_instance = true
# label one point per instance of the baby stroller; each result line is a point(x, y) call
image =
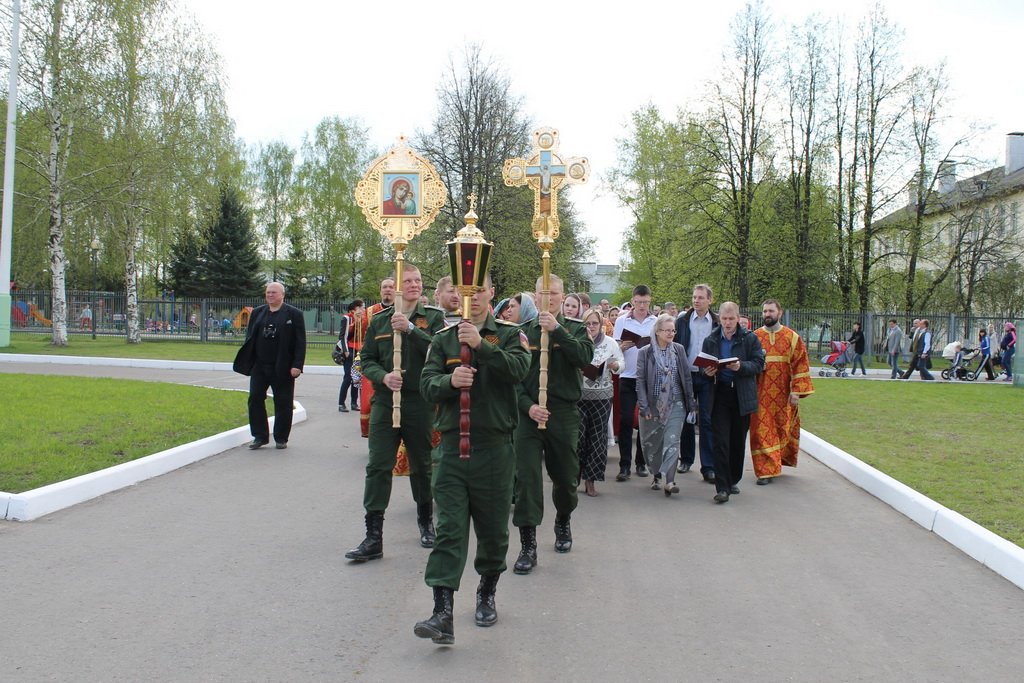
point(837, 360)
point(959, 359)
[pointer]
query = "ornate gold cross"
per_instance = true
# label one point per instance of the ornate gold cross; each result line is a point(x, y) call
point(544, 172)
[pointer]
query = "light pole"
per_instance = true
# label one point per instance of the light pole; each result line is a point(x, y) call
point(94, 245)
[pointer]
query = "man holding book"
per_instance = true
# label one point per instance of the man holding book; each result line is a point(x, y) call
point(735, 395)
point(633, 331)
point(775, 427)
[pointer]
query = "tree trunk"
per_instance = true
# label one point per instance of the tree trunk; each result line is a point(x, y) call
point(58, 260)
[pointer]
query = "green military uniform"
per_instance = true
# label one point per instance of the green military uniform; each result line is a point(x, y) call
point(378, 360)
point(570, 350)
point(479, 488)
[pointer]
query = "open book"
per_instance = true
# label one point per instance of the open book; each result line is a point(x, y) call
point(706, 360)
point(592, 372)
point(630, 336)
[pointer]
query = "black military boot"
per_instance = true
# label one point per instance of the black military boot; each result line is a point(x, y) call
point(425, 521)
point(372, 547)
point(563, 535)
point(486, 612)
point(528, 555)
point(439, 626)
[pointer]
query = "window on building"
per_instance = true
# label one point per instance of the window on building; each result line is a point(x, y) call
point(1014, 217)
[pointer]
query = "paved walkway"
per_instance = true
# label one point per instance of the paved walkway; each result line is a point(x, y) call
point(232, 570)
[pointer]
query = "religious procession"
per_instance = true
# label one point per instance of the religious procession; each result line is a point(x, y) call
point(476, 401)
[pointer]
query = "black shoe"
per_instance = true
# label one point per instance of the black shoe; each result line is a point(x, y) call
point(734, 489)
point(355, 407)
point(683, 468)
point(372, 547)
point(656, 484)
point(763, 481)
point(258, 443)
point(342, 408)
point(709, 477)
point(623, 475)
point(722, 497)
point(527, 559)
point(486, 612)
point(641, 470)
point(425, 522)
point(563, 535)
point(439, 626)
point(281, 445)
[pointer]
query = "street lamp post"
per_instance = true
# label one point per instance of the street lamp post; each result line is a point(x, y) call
point(94, 245)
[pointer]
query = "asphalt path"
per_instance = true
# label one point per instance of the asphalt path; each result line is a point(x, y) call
point(233, 569)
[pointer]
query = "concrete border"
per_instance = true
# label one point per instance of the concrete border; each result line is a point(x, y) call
point(23, 507)
point(991, 550)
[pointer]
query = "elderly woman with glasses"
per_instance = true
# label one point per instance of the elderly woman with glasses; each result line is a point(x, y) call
point(596, 402)
point(664, 391)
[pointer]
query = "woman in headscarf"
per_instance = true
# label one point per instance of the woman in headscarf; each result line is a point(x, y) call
point(596, 402)
point(517, 309)
point(572, 306)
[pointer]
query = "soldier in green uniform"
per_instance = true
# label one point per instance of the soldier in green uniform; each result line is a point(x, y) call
point(569, 350)
point(418, 324)
point(479, 488)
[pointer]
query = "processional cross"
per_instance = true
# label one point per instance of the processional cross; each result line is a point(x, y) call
point(544, 173)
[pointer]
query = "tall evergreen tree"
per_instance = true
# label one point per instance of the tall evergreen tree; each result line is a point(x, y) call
point(297, 267)
point(230, 263)
point(185, 272)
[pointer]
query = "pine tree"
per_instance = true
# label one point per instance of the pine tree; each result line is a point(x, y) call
point(185, 269)
point(296, 267)
point(231, 265)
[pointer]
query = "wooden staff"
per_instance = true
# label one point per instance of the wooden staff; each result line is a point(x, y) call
point(466, 356)
point(545, 302)
point(396, 358)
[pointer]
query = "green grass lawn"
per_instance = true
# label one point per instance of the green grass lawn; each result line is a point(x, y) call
point(56, 428)
point(959, 444)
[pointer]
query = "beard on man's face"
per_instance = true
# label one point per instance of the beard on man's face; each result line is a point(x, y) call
point(770, 321)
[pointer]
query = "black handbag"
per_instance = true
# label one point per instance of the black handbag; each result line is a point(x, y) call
point(337, 355)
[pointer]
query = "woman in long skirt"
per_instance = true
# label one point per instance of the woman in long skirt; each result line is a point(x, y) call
point(596, 402)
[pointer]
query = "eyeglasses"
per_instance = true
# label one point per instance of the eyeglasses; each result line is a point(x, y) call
point(670, 330)
point(593, 323)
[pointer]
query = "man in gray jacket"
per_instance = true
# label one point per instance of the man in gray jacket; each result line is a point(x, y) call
point(893, 344)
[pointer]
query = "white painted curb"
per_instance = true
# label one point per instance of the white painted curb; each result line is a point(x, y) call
point(991, 550)
point(155, 363)
point(33, 504)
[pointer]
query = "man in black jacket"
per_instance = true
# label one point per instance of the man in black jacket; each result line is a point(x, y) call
point(272, 356)
point(735, 396)
point(692, 327)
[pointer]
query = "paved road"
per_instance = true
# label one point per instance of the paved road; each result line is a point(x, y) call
point(232, 570)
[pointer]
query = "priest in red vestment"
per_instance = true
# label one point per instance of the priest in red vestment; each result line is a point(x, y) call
point(775, 427)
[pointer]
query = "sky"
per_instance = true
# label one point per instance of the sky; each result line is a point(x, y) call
point(580, 66)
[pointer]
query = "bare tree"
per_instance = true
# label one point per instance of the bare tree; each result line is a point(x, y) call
point(804, 129)
point(737, 136)
point(881, 107)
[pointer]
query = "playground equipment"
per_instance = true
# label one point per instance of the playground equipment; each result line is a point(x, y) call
point(21, 311)
point(242, 319)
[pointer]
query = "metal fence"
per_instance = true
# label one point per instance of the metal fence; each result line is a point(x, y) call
point(820, 327)
point(223, 320)
point(214, 320)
